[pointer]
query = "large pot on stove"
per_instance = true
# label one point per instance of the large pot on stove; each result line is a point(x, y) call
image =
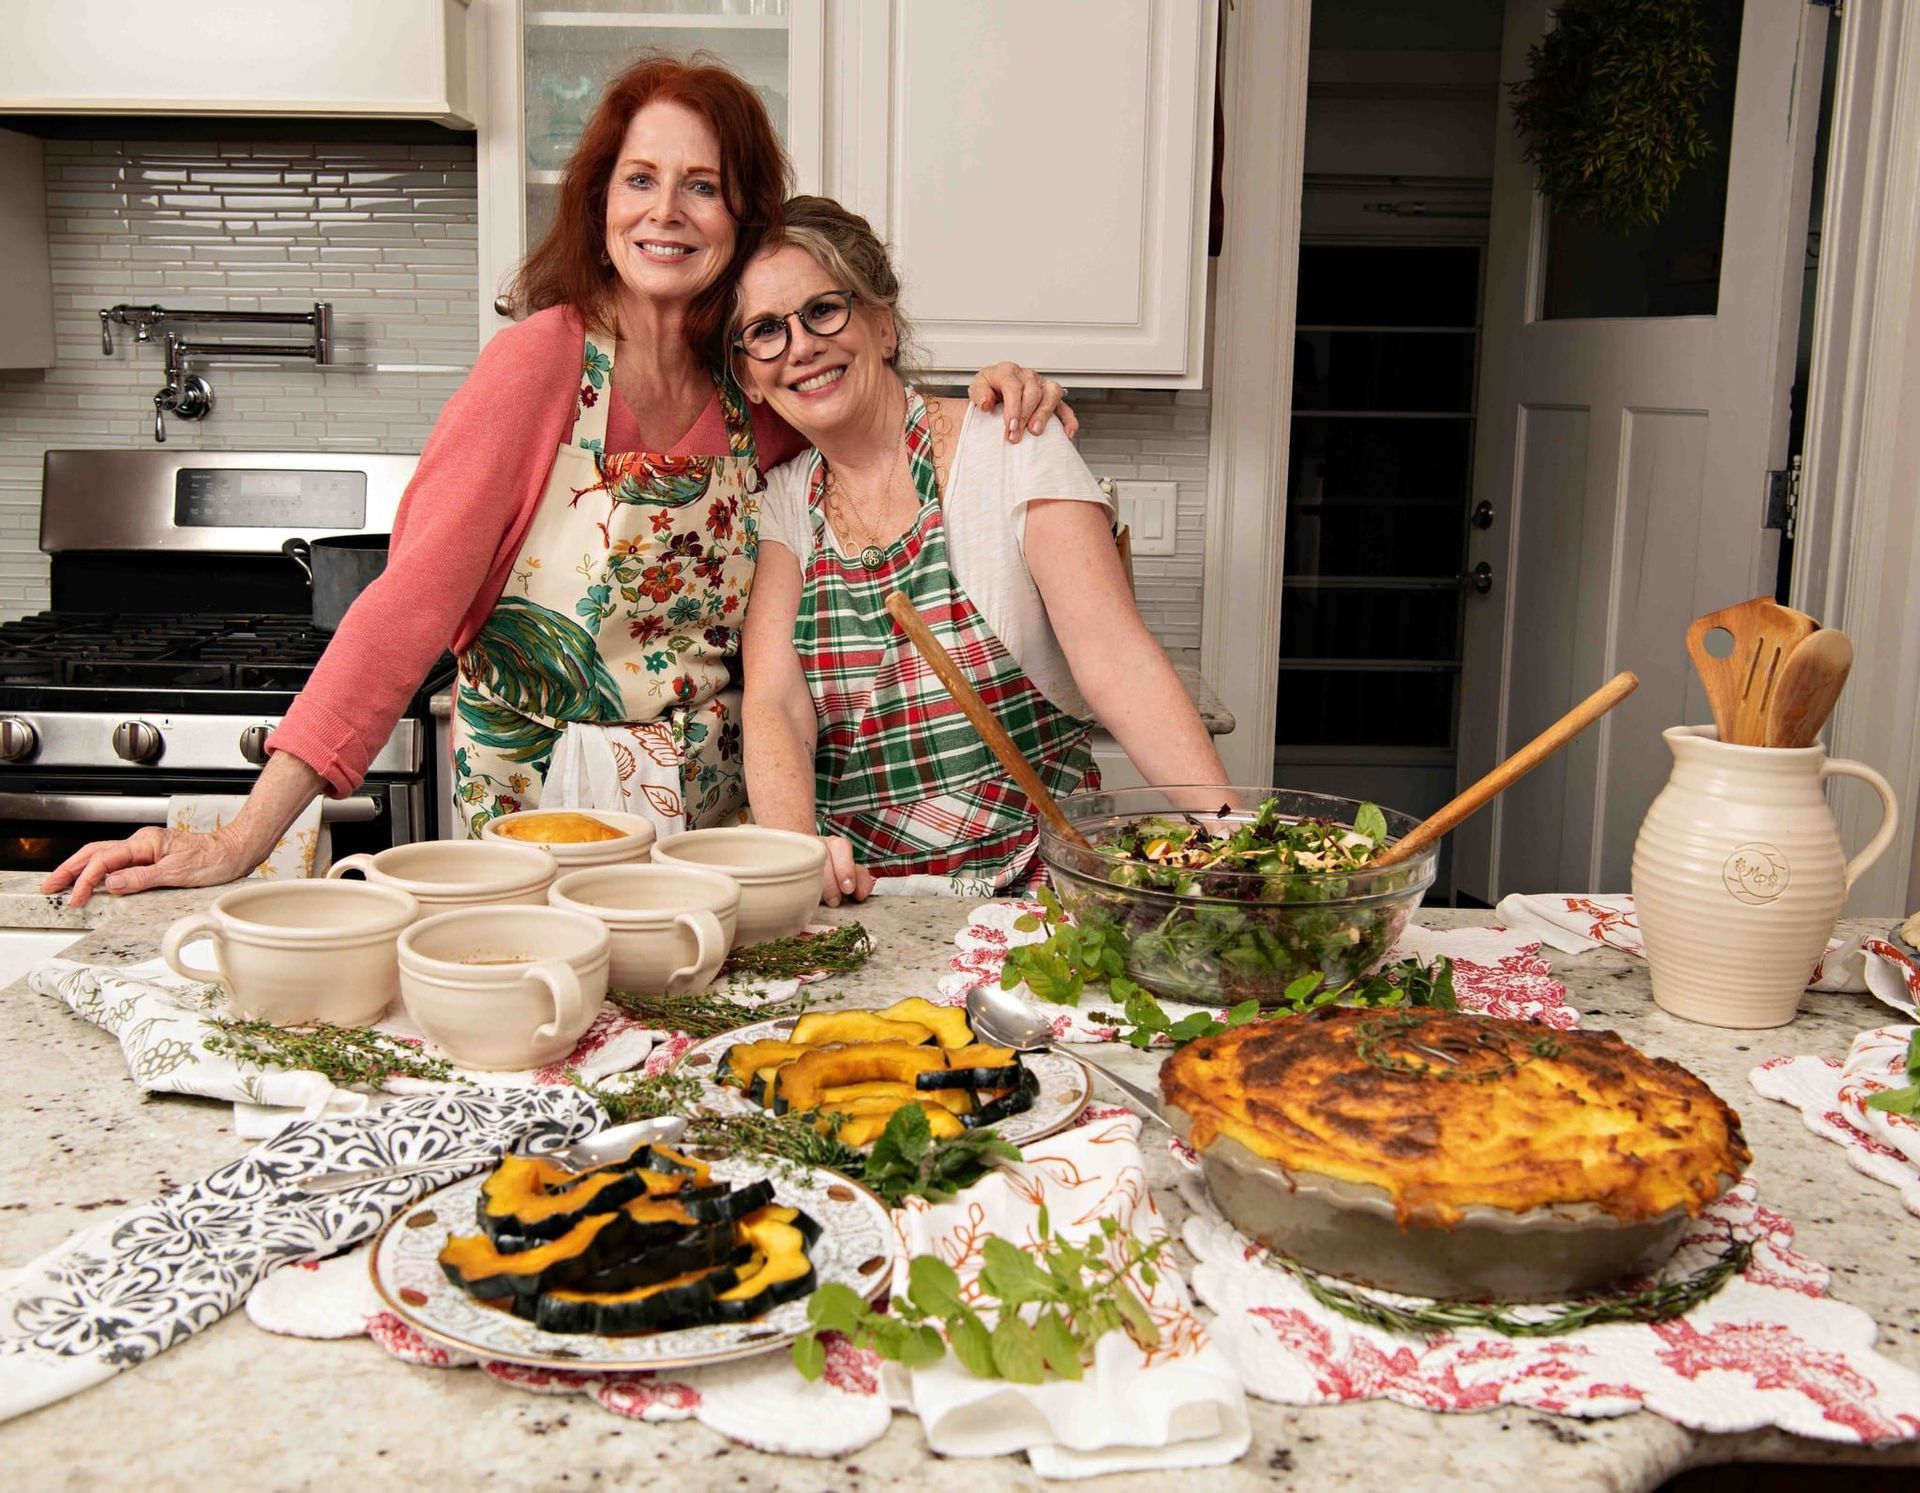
point(338, 569)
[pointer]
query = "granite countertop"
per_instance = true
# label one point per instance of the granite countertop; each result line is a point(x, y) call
point(274, 1412)
point(1213, 711)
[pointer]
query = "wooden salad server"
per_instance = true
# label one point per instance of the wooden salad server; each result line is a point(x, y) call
point(991, 731)
point(1810, 682)
point(1510, 771)
point(1740, 686)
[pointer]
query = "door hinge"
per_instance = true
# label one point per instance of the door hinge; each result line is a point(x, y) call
point(1783, 498)
point(1836, 6)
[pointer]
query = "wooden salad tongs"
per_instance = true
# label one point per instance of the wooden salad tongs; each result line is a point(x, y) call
point(1740, 687)
point(991, 731)
point(1510, 771)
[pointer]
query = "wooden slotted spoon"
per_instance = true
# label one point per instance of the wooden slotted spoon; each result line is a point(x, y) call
point(1510, 771)
point(1740, 686)
point(991, 731)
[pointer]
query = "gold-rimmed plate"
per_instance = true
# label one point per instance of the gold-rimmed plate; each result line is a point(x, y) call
point(855, 1249)
point(1065, 1084)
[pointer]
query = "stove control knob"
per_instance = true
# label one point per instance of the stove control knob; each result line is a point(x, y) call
point(18, 739)
point(253, 744)
point(137, 741)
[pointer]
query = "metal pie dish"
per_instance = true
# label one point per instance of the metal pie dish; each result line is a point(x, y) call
point(1244, 935)
point(1350, 1230)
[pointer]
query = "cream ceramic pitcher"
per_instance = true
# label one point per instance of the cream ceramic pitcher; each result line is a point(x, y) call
point(1738, 876)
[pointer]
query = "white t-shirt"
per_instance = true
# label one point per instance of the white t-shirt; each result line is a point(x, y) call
point(984, 505)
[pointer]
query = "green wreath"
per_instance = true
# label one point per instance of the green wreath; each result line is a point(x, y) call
point(1610, 114)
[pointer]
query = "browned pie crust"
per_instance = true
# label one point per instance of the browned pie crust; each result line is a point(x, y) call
point(1560, 1117)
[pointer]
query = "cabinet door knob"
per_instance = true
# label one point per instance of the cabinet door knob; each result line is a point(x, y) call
point(502, 306)
point(1482, 515)
point(1480, 578)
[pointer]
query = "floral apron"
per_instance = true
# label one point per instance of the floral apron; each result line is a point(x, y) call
point(622, 609)
point(899, 770)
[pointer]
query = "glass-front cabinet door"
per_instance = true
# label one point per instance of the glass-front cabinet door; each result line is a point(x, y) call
point(549, 60)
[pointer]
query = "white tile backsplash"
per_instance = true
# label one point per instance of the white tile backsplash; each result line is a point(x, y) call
point(387, 233)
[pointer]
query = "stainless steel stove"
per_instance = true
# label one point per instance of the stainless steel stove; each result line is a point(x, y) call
point(179, 635)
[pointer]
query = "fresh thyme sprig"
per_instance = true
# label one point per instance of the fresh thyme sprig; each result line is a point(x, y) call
point(1488, 1056)
point(344, 1055)
point(1081, 1292)
point(1658, 1303)
point(838, 952)
point(700, 1013)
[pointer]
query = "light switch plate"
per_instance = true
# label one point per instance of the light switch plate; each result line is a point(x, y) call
point(1148, 509)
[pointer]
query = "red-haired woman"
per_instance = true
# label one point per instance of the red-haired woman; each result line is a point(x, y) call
point(582, 525)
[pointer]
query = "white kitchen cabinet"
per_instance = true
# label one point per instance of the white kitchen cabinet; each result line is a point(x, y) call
point(549, 60)
point(386, 59)
point(1041, 167)
point(26, 311)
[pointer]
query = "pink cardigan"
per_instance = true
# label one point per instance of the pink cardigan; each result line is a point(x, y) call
point(458, 532)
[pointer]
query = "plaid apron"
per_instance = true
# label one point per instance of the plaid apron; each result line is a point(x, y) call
point(899, 769)
point(623, 608)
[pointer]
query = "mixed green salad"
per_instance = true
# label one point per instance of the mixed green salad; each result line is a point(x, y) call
point(1242, 910)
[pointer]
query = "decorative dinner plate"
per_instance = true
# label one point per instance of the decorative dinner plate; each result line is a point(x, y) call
point(1065, 1084)
point(855, 1248)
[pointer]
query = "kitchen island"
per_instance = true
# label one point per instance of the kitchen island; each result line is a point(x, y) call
point(234, 1406)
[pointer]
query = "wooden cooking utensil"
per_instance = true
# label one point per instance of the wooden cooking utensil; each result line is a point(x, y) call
point(1810, 681)
point(1740, 686)
point(1510, 771)
point(975, 708)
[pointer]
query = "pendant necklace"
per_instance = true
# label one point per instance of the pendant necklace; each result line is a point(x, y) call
point(872, 557)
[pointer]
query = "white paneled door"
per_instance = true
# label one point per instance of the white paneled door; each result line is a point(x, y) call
point(1633, 397)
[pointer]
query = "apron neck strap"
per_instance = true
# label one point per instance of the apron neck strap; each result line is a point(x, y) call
point(594, 397)
point(919, 439)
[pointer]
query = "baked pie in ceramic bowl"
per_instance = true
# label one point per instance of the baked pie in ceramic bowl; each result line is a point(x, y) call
point(1448, 1155)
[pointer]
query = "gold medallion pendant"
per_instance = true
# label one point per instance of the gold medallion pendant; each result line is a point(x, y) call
point(872, 558)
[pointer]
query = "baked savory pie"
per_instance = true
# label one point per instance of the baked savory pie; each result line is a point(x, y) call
point(1445, 1111)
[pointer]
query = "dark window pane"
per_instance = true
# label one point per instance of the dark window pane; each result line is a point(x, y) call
point(1417, 371)
point(1672, 268)
point(1356, 458)
point(1389, 286)
point(1364, 707)
point(1380, 537)
point(1351, 622)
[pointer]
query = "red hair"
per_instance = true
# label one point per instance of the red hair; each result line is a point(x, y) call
point(568, 267)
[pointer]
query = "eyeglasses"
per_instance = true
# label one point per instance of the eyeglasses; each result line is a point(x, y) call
point(766, 338)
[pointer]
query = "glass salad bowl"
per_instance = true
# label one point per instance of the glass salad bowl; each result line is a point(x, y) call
point(1217, 935)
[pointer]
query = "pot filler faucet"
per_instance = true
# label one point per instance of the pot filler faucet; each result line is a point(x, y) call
point(187, 395)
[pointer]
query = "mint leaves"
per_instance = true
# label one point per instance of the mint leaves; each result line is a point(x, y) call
point(906, 1160)
point(1904, 1101)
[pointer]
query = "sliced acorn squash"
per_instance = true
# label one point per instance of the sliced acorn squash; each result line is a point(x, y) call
point(802, 1082)
point(473, 1262)
point(948, 1023)
point(960, 1101)
point(692, 1251)
point(864, 1130)
point(1016, 1100)
point(722, 1204)
point(785, 1272)
point(822, 1028)
point(744, 1061)
point(973, 1078)
point(531, 1198)
point(666, 1159)
point(982, 1056)
point(684, 1301)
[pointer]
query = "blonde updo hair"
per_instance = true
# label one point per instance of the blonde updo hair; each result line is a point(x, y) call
point(843, 244)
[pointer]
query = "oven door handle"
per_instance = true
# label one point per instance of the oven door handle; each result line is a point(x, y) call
point(113, 808)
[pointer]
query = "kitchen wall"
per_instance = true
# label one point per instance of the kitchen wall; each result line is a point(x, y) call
point(386, 233)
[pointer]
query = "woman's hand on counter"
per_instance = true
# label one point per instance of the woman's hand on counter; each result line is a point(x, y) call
point(843, 879)
point(151, 857)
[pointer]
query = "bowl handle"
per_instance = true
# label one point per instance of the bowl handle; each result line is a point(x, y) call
point(710, 945)
point(1846, 767)
point(182, 933)
point(569, 1001)
point(363, 863)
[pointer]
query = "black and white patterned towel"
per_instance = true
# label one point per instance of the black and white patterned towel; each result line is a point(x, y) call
point(132, 1286)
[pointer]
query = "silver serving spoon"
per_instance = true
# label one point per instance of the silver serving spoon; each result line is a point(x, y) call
point(1000, 1018)
point(597, 1149)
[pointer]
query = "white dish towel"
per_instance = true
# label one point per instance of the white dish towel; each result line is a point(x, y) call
point(624, 769)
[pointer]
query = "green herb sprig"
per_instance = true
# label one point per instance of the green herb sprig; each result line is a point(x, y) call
point(1658, 1303)
point(700, 1013)
point(1075, 956)
point(1903, 1101)
point(838, 952)
point(907, 1162)
point(345, 1056)
point(1484, 1058)
point(1079, 1292)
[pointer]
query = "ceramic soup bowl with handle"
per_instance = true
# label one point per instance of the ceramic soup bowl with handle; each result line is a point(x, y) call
point(293, 952)
point(443, 874)
point(671, 925)
point(631, 836)
point(778, 871)
point(504, 987)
